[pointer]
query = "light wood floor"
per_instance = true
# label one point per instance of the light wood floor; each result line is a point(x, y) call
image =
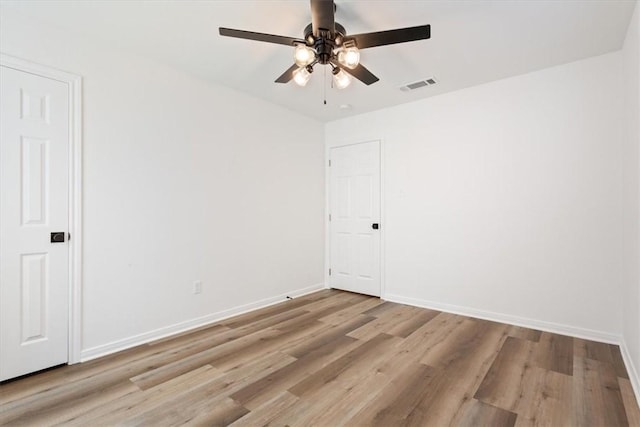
point(337, 358)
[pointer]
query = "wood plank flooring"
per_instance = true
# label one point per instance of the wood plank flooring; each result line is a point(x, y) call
point(337, 358)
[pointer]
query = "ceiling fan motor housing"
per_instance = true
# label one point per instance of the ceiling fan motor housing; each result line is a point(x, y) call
point(325, 41)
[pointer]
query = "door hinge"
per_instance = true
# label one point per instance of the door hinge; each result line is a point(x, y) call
point(329, 272)
point(329, 162)
point(329, 217)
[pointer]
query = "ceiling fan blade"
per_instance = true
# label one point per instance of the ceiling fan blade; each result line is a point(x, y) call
point(287, 75)
point(382, 38)
point(362, 74)
point(261, 37)
point(322, 16)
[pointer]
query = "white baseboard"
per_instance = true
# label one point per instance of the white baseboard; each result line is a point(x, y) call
point(123, 344)
point(632, 370)
point(556, 328)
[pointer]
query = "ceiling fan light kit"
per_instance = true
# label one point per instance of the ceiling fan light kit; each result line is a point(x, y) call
point(340, 79)
point(302, 75)
point(326, 42)
point(349, 57)
point(303, 55)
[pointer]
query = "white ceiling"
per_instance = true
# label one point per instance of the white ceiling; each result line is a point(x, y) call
point(472, 42)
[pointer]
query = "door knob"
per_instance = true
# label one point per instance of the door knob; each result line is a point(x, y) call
point(375, 226)
point(57, 237)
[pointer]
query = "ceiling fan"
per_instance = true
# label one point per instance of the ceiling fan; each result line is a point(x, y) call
point(326, 42)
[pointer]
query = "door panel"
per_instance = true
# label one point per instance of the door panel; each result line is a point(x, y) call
point(34, 175)
point(33, 289)
point(364, 188)
point(366, 255)
point(354, 202)
point(34, 183)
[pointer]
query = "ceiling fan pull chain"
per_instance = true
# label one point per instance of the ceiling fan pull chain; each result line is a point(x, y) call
point(324, 84)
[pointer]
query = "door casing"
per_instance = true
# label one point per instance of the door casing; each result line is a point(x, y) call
point(327, 225)
point(74, 84)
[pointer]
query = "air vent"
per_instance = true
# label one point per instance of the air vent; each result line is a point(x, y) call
point(417, 85)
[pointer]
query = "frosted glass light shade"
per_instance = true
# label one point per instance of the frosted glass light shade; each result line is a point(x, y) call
point(341, 79)
point(349, 57)
point(301, 76)
point(303, 55)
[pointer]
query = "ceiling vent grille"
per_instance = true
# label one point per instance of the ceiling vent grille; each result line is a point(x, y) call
point(417, 85)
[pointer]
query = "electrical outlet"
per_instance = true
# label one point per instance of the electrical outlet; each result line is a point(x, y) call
point(197, 287)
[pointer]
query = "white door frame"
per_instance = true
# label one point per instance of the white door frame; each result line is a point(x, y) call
point(74, 83)
point(327, 207)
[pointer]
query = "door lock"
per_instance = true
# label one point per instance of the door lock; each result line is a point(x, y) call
point(375, 226)
point(57, 237)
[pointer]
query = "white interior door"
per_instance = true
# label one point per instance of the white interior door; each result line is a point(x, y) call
point(34, 184)
point(354, 203)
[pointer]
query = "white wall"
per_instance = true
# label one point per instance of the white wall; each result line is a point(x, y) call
point(504, 200)
point(631, 293)
point(183, 181)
